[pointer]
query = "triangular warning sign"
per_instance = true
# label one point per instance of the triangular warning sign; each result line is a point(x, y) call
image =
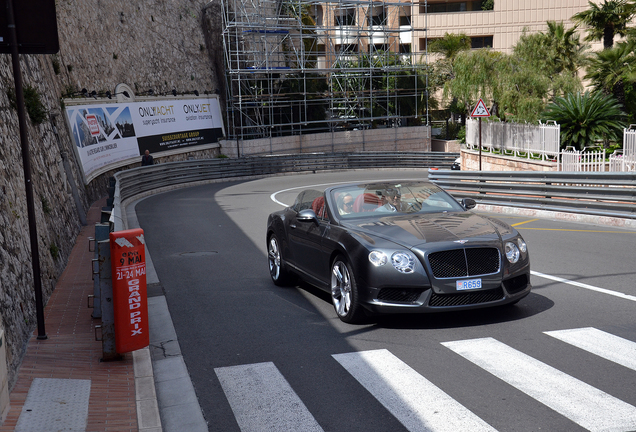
point(480, 110)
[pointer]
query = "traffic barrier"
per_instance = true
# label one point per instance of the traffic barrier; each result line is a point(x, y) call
point(594, 193)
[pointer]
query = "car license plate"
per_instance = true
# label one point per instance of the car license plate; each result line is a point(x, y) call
point(468, 284)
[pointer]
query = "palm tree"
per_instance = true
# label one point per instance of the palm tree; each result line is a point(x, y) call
point(587, 118)
point(567, 51)
point(450, 45)
point(609, 70)
point(606, 20)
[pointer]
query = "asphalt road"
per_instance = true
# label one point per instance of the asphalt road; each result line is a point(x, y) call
point(270, 358)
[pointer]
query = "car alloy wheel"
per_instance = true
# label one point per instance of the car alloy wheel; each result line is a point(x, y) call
point(344, 294)
point(279, 275)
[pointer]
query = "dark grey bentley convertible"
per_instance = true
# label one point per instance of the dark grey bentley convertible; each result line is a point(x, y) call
point(397, 247)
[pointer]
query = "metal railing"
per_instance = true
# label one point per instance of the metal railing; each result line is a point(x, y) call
point(593, 193)
point(143, 180)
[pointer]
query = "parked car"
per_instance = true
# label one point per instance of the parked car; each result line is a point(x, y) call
point(396, 247)
point(457, 165)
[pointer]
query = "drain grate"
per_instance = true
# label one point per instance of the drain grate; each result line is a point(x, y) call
point(54, 405)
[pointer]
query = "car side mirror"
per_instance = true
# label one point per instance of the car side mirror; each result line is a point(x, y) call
point(468, 203)
point(307, 215)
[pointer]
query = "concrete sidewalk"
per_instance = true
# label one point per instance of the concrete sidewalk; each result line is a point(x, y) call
point(71, 355)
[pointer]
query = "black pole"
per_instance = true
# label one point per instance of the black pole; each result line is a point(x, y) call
point(26, 163)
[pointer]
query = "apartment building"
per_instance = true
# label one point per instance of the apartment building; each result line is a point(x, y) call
point(499, 28)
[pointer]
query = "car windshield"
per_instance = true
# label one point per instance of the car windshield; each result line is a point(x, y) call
point(373, 199)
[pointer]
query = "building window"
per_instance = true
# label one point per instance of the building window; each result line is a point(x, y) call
point(377, 20)
point(423, 44)
point(378, 16)
point(405, 48)
point(453, 6)
point(345, 17)
point(405, 20)
point(481, 42)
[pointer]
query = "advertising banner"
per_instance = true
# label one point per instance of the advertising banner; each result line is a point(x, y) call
point(109, 133)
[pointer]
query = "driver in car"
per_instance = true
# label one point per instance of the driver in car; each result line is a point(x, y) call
point(392, 201)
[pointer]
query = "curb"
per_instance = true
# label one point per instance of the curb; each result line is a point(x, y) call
point(148, 418)
point(568, 217)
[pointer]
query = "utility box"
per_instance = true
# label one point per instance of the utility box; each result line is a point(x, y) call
point(130, 300)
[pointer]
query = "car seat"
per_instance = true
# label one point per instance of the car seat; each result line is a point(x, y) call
point(366, 202)
point(318, 206)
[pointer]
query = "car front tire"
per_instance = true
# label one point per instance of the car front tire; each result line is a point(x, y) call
point(344, 292)
point(280, 275)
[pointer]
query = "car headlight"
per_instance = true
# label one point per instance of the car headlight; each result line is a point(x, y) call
point(522, 245)
point(403, 262)
point(512, 252)
point(378, 258)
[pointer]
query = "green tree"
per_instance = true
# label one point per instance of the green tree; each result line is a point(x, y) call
point(450, 45)
point(610, 70)
point(565, 50)
point(488, 5)
point(476, 75)
point(606, 20)
point(586, 119)
point(541, 67)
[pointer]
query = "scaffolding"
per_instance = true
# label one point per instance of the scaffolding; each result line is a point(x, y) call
point(300, 67)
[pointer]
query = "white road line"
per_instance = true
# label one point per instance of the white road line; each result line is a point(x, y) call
point(574, 399)
point(582, 285)
point(412, 399)
point(262, 399)
point(606, 345)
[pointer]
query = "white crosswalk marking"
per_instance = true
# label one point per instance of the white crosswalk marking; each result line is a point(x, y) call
point(412, 399)
point(608, 346)
point(262, 399)
point(580, 402)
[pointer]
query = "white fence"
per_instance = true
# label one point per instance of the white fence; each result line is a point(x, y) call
point(582, 160)
point(516, 139)
point(625, 160)
point(526, 140)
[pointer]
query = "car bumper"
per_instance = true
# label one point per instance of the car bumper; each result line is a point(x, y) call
point(426, 300)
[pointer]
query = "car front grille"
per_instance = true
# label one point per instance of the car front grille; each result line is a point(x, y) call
point(464, 299)
point(464, 262)
point(399, 295)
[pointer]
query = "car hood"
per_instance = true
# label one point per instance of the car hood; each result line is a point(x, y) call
point(416, 230)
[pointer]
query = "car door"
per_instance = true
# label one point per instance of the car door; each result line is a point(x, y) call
point(305, 237)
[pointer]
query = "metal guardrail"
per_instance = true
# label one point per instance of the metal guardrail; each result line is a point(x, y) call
point(593, 193)
point(137, 181)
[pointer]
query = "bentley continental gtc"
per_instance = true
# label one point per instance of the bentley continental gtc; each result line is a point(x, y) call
point(397, 247)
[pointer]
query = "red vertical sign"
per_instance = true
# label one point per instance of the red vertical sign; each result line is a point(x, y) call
point(128, 260)
point(93, 124)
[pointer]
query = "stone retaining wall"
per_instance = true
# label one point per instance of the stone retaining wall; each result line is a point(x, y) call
point(495, 162)
point(156, 44)
point(415, 138)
